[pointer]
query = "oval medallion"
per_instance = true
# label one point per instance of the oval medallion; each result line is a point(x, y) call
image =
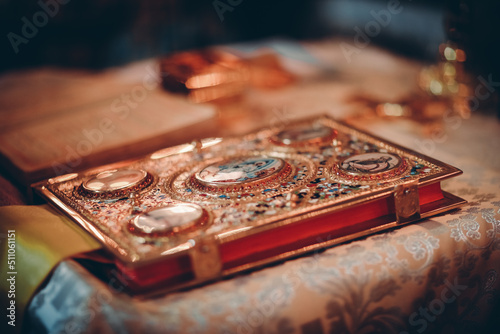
point(368, 167)
point(240, 170)
point(167, 220)
point(370, 163)
point(115, 183)
point(241, 173)
point(305, 135)
point(114, 180)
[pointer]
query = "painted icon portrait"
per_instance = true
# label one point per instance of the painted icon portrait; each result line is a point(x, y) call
point(371, 163)
point(240, 170)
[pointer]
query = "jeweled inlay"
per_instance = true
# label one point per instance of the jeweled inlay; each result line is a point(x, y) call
point(172, 218)
point(370, 163)
point(239, 170)
point(114, 180)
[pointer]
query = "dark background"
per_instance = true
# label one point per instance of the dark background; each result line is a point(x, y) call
point(101, 33)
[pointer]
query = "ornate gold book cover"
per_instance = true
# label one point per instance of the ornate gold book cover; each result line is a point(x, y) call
point(197, 212)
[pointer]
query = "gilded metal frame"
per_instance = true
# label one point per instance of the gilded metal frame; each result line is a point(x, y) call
point(56, 191)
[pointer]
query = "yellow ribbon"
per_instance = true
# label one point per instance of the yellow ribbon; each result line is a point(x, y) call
point(42, 238)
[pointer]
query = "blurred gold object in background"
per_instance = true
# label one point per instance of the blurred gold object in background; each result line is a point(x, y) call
point(215, 75)
point(443, 90)
point(448, 79)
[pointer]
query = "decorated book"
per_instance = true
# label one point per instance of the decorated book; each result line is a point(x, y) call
point(194, 213)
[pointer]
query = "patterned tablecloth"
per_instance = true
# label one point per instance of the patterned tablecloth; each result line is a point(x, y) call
point(439, 275)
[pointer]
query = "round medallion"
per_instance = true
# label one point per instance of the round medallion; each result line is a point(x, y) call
point(305, 135)
point(373, 166)
point(115, 183)
point(168, 220)
point(240, 173)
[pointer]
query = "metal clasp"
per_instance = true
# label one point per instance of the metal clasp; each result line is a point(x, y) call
point(205, 258)
point(406, 202)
